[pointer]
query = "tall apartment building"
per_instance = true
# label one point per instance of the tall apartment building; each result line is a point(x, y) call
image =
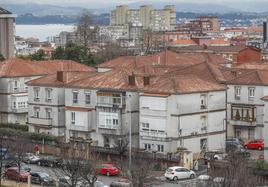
point(149, 18)
point(7, 20)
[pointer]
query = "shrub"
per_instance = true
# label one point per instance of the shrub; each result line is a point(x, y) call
point(14, 126)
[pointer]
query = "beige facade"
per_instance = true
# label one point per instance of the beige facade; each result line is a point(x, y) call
point(7, 20)
point(149, 18)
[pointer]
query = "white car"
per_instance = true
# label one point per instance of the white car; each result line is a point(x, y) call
point(177, 172)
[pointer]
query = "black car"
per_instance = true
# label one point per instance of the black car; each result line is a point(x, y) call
point(49, 161)
point(236, 149)
point(23, 166)
point(42, 179)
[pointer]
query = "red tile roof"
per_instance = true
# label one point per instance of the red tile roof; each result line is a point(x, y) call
point(23, 68)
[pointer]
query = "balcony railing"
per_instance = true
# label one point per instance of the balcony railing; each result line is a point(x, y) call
point(40, 121)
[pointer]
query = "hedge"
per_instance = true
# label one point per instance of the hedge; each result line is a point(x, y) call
point(31, 135)
point(15, 126)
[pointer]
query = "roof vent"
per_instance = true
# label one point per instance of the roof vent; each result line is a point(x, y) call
point(60, 76)
point(131, 80)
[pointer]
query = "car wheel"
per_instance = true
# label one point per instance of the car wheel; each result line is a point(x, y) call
point(246, 147)
point(175, 178)
point(191, 176)
point(39, 163)
point(260, 148)
point(107, 173)
point(51, 165)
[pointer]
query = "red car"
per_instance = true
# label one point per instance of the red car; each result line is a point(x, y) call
point(14, 174)
point(108, 169)
point(255, 144)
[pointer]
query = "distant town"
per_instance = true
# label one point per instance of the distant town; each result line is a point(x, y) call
point(135, 97)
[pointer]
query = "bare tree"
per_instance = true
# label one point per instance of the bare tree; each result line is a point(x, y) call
point(234, 171)
point(19, 146)
point(4, 151)
point(75, 166)
point(84, 31)
point(151, 42)
point(140, 169)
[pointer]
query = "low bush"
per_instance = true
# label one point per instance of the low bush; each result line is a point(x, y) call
point(15, 126)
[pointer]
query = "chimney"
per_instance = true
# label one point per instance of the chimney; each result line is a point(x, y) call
point(131, 80)
point(60, 76)
point(146, 80)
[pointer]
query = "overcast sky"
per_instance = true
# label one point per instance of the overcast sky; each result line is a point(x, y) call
point(106, 3)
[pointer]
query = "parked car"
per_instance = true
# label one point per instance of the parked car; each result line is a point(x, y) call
point(4, 153)
point(237, 149)
point(213, 155)
point(108, 169)
point(49, 161)
point(14, 174)
point(23, 166)
point(66, 181)
point(42, 179)
point(177, 172)
point(30, 158)
point(235, 140)
point(255, 144)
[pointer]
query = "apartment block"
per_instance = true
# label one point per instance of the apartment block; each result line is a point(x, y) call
point(7, 36)
point(149, 18)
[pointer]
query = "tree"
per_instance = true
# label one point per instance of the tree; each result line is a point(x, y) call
point(4, 150)
point(84, 31)
point(2, 58)
point(151, 42)
point(76, 166)
point(139, 170)
point(39, 55)
point(59, 53)
point(20, 145)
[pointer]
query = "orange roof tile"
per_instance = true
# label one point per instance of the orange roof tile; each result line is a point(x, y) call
point(23, 68)
point(183, 42)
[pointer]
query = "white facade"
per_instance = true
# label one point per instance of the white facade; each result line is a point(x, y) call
point(14, 99)
point(187, 120)
point(246, 111)
point(102, 119)
point(46, 110)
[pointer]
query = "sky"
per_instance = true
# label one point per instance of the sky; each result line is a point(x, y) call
point(111, 3)
point(114, 2)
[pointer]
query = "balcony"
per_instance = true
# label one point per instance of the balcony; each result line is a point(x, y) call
point(110, 100)
point(20, 110)
point(149, 112)
point(76, 127)
point(243, 123)
point(40, 121)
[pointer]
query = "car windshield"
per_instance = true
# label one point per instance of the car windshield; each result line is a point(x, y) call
point(44, 175)
point(169, 170)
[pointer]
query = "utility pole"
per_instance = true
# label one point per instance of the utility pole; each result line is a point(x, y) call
point(130, 133)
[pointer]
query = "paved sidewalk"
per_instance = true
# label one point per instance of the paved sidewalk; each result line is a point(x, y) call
point(10, 183)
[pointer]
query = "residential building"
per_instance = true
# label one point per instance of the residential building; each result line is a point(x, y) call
point(236, 54)
point(7, 24)
point(149, 18)
point(14, 73)
point(46, 112)
point(245, 106)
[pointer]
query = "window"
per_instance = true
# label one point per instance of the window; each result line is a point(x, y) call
point(15, 88)
point(73, 117)
point(48, 113)
point(147, 146)
point(203, 101)
point(48, 94)
point(203, 120)
point(243, 113)
point(14, 105)
point(87, 98)
point(36, 112)
point(251, 92)
point(115, 121)
point(237, 92)
point(145, 126)
point(203, 144)
point(36, 93)
point(160, 148)
point(75, 97)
